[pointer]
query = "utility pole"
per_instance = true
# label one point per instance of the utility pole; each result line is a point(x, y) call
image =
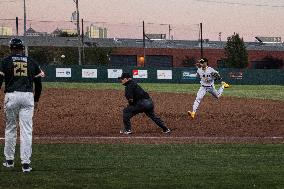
point(25, 29)
point(201, 41)
point(170, 29)
point(17, 26)
point(83, 49)
point(78, 32)
point(144, 44)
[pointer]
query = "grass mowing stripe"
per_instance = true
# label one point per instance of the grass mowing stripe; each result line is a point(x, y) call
point(273, 92)
point(151, 166)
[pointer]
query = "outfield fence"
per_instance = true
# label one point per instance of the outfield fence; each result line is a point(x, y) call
point(99, 74)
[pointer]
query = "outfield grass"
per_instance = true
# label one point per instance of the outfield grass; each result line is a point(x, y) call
point(150, 166)
point(273, 92)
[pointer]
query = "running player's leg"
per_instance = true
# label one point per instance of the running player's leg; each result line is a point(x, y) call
point(216, 93)
point(26, 127)
point(220, 90)
point(11, 115)
point(199, 96)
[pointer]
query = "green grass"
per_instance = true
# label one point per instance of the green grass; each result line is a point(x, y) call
point(272, 92)
point(219, 166)
point(150, 166)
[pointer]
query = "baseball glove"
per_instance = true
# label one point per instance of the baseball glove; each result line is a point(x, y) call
point(216, 76)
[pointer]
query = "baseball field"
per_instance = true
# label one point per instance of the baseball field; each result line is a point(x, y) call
point(234, 142)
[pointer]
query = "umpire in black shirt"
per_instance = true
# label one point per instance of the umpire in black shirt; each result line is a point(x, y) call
point(139, 101)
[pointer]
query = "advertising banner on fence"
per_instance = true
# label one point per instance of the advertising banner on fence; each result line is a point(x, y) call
point(164, 74)
point(189, 75)
point(63, 72)
point(236, 75)
point(140, 73)
point(89, 73)
point(114, 73)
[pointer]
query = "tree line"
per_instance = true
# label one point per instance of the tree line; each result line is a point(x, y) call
point(65, 55)
point(236, 56)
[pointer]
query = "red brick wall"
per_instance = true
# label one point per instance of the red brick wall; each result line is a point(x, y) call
point(180, 54)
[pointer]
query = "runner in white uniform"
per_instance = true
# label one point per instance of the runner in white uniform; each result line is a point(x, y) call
point(207, 84)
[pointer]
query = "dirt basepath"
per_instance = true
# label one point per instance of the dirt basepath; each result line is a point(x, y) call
point(84, 116)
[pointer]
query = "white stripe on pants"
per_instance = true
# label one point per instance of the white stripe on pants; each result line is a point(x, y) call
point(19, 105)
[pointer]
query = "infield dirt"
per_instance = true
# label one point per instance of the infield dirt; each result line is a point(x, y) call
point(74, 115)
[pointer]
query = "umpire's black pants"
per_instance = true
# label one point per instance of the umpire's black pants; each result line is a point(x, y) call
point(144, 105)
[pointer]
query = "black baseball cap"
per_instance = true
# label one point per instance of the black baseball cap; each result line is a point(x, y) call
point(16, 43)
point(124, 75)
point(202, 60)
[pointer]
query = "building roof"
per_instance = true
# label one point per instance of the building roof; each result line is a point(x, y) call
point(56, 31)
point(31, 30)
point(137, 43)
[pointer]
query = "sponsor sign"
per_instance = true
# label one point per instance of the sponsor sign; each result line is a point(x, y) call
point(140, 73)
point(164, 74)
point(114, 73)
point(63, 72)
point(236, 75)
point(189, 75)
point(89, 73)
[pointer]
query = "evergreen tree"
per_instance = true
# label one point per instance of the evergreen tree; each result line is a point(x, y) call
point(236, 53)
point(189, 61)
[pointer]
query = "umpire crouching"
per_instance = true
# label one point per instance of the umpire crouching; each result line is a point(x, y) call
point(139, 101)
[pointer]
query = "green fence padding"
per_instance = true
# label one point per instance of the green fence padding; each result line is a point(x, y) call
point(179, 75)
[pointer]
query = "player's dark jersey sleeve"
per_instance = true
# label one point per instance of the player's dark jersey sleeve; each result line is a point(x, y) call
point(1, 73)
point(37, 74)
point(38, 88)
point(129, 91)
point(35, 67)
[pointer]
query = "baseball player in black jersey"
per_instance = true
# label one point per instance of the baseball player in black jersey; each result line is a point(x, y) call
point(19, 73)
point(139, 102)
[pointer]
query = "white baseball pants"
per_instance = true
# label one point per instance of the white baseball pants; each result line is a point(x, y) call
point(19, 105)
point(201, 93)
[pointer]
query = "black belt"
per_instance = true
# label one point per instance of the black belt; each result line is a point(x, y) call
point(206, 86)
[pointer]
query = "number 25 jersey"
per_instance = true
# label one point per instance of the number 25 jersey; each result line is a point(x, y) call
point(19, 72)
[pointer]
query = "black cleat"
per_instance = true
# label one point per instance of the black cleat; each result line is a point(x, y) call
point(167, 131)
point(26, 168)
point(8, 163)
point(126, 132)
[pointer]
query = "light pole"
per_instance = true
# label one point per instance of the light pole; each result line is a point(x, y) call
point(78, 32)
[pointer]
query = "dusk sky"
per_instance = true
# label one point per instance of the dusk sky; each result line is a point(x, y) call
point(123, 18)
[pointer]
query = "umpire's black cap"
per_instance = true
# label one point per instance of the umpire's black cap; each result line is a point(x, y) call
point(202, 60)
point(124, 75)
